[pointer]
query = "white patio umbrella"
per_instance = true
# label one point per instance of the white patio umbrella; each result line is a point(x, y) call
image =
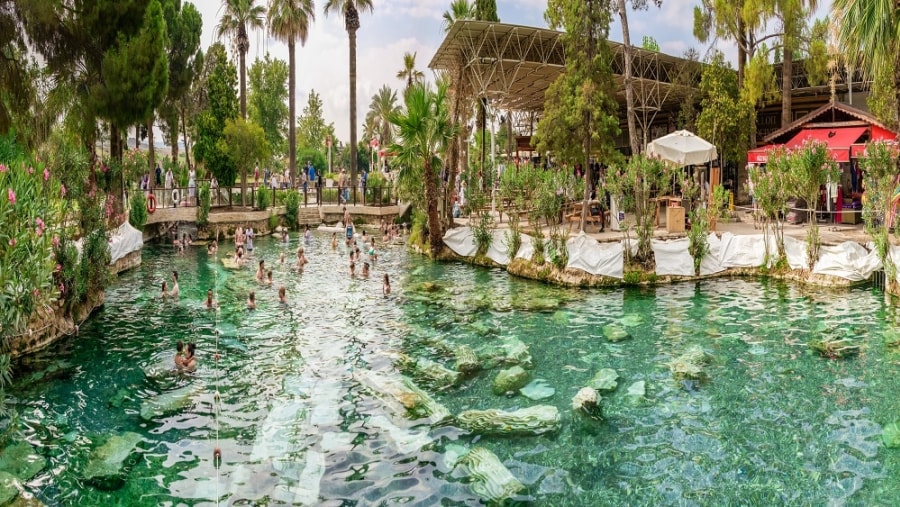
point(682, 148)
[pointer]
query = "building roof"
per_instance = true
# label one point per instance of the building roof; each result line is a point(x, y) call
point(515, 64)
point(833, 114)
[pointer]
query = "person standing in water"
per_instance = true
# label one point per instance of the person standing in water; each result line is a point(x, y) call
point(386, 286)
point(251, 301)
point(261, 272)
point(282, 295)
point(175, 291)
point(210, 302)
point(190, 359)
point(179, 355)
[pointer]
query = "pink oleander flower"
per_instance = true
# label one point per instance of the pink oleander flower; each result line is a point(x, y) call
point(12, 242)
point(35, 292)
point(46, 174)
point(104, 168)
point(11, 196)
point(62, 189)
point(2, 168)
point(58, 267)
point(62, 287)
point(56, 243)
point(30, 170)
point(39, 231)
point(38, 222)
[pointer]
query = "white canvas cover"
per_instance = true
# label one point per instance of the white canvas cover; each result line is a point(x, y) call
point(586, 254)
point(711, 262)
point(672, 257)
point(742, 251)
point(526, 250)
point(683, 148)
point(499, 250)
point(848, 260)
point(894, 255)
point(795, 249)
point(125, 240)
point(461, 240)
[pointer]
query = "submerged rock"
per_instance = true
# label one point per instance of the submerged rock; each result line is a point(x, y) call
point(169, 402)
point(435, 374)
point(615, 333)
point(108, 464)
point(535, 420)
point(21, 460)
point(10, 486)
point(490, 479)
point(891, 435)
point(537, 390)
point(466, 360)
point(403, 395)
point(689, 365)
point(835, 348)
point(605, 380)
point(587, 402)
point(636, 392)
point(514, 351)
point(511, 379)
point(632, 320)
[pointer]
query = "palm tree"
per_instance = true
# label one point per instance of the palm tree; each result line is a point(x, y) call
point(870, 35)
point(459, 10)
point(383, 105)
point(289, 21)
point(350, 10)
point(239, 17)
point(409, 73)
point(424, 131)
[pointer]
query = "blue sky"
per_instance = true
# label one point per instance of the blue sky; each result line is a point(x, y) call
point(397, 26)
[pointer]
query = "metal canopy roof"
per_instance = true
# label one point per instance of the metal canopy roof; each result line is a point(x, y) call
point(514, 65)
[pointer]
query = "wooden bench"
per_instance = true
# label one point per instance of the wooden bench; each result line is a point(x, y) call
point(574, 217)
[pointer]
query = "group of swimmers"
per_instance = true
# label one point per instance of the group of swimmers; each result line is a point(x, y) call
point(174, 291)
point(185, 358)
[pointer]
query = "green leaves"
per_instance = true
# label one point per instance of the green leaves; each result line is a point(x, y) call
point(268, 93)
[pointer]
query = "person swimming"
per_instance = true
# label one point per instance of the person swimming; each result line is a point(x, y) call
point(175, 291)
point(282, 295)
point(334, 241)
point(365, 269)
point(179, 355)
point(261, 271)
point(190, 359)
point(165, 290)
point(386, 286)
point(307, 236)
point(301, 258)
point(352, 265)
point(251, 301)
point(269, 278)
point(210, 302)
point(281, 259)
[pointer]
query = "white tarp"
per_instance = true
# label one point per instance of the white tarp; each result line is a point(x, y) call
point(742, 251)
point(795, 249)
point(586, 254)
point(527, 248)
point(461, 240)
point(894, 255)
point(125, 240)
point(711, 262)
point(499, 250)
point(848, 260)
point(672, 257)
point(683, 148)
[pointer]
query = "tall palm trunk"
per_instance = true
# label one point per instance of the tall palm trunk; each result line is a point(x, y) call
point(787, 76)
point(435, 237)
point(187, 148)
point(292, 128)
point(243, 85)
point(351, 23)
point(151, 151)
point(173, 140)
point(629, 84)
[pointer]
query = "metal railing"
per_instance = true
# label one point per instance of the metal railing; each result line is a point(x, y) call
point(220, 197)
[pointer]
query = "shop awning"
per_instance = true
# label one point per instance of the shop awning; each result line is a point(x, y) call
point(837, 139)
point(759, 155)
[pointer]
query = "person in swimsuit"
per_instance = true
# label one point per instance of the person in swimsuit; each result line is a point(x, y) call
point(282, 295)
point(386, 286)
point(251, 301)
point(210, 302)
point(261, 272)
point(301, 259)
point(334, 241)
point(352, 265)
point(179, 355)
point(174, 292)
point(365, 269)
point(165, 290)
point(190, 359)
point(269, 278)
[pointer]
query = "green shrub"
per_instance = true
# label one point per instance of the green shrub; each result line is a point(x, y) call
point(419, 229)
point(263, 198)
point(204, 205)
point(292, 208)
point(539, 244)
point(273, 222)
point(138, 213)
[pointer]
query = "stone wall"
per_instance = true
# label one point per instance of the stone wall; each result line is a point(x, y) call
point(50, 324)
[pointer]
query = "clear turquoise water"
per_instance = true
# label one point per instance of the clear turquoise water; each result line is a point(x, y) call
point(773, 425)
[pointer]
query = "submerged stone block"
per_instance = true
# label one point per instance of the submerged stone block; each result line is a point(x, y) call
point(490, 479)
point(605, 380)
point(108, 464)
point(689, 365)
point(403, 395)
point(587, 402)
point(466, 360)
point(21, 460)
point(510, 380)
point(535, 420)
point(10, 486)
point(169, 402)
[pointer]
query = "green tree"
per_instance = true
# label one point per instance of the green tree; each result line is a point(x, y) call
point(246, 144)
point(268, 91)
point(349, 10)
point(793, 15)
point(239, 17)
point(734, 20)
point(879, 168)
point(220, 105)
point(184, 25)
point(289, 22)
point(423, 132)
point(725, 119)
point(650, 44)
point(459, 10)
point(811, 168)
point(486, 10)
point(383, 105)
point(630, 114)
point(312, 130)
point(409, 73)
point(580, 112)
point(870, 37)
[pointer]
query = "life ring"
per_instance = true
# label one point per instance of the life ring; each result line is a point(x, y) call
point(175, 196)
point(151, 203)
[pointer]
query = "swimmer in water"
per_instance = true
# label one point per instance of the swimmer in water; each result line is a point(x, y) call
point(386, 286)
point(251, 301)
point(282, 295)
